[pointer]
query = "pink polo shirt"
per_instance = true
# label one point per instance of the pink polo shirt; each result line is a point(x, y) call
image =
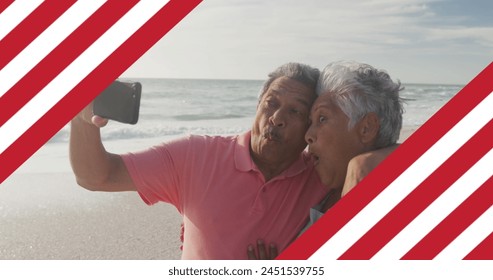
point(223, 197)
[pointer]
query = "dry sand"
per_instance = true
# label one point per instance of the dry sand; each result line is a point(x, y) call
point(45, 215)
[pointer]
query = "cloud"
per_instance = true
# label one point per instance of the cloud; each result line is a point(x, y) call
point(246, 38)
point(483, 36)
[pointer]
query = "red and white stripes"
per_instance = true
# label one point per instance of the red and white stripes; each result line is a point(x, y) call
point(432, 198)
point(58, 55)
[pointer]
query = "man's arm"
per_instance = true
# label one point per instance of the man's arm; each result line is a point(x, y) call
point(361, 165)
point(94, 168)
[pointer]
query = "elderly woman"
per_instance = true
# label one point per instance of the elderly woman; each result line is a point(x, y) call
point(358, 110)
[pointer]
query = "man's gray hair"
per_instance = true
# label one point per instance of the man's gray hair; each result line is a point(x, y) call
point(359, 89)
point(302, 73)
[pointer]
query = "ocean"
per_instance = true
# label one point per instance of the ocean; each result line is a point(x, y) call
point(176, 107)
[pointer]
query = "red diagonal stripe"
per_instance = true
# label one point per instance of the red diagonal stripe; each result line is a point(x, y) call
point(54, 63)
point(33, 25)
point(454, 224)
point(163, 21)
point(484, 251)
point(5, 4)
point(421, 197)
point(417, 144)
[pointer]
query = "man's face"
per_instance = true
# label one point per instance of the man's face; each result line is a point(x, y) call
point(331, 142)
point(281, 122)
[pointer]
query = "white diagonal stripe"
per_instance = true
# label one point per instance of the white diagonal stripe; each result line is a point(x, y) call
point(470, 238)
point(407, 181)
point(77, 71)
point(439, 209)
point(15, 14)
point(46, 42)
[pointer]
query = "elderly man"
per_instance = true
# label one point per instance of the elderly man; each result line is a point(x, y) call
point(230, 190)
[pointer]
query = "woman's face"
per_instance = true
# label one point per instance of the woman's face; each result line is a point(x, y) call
point(331, 142)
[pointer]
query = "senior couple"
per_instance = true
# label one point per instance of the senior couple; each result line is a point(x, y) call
point(233, 191)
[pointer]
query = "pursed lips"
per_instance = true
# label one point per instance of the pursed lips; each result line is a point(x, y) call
point(272, 135)
point(314, 155)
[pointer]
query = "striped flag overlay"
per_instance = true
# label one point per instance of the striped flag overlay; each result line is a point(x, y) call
point(431, 199)
point(56, 56)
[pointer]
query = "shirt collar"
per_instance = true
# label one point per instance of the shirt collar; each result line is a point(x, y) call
point(244, 161)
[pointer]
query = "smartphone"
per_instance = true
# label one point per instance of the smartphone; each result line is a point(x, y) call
point(120, 101)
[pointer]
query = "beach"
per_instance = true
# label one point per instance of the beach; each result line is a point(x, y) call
point(44, 214)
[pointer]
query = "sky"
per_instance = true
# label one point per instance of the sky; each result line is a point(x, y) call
point(415, 41)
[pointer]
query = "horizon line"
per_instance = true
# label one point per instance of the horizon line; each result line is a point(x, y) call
point(261, 80)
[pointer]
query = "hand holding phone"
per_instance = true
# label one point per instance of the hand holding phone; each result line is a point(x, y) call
point(120, 101)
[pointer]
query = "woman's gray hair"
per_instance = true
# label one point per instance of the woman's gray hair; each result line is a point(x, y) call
point(302, 73)
point(359, 89)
